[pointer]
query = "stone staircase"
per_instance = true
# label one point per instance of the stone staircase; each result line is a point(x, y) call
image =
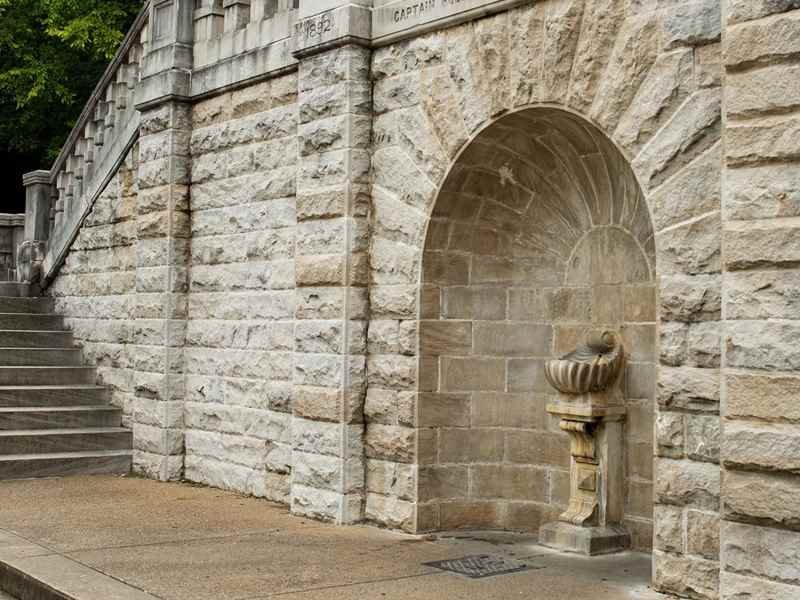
point(54, 419)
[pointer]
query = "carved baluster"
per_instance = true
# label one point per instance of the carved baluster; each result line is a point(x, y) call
point(99, 123)
point(111, 113)
point(58, 205)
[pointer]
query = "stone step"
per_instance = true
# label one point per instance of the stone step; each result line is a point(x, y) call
point(35, 321)
point(34, 357)
point(29, 338)
point(38, 441)
point(58, 417)
point(26, 305)
point(46, 375)
point(53, 395)
point(14, 289)
point(24, 466)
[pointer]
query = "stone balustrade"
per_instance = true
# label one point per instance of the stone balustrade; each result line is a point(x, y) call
point(105, 130)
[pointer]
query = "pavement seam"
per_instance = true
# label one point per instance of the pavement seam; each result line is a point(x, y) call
point(54, 552)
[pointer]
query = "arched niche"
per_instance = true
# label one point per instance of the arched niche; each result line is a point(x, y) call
point(539, 234)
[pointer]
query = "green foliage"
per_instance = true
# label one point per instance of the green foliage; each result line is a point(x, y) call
point(52, 53)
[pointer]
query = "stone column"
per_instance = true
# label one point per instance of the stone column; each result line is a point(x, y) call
point(30, 254)
point(759, 536)
point(331, 263)
point(163, 244)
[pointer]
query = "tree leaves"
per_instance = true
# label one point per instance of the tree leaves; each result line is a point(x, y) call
point(52, 53)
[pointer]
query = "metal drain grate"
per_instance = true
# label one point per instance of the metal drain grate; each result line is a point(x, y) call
point(481, 565)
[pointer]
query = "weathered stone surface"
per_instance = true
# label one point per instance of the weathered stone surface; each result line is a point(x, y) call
point(762, 345)
point(739, 587)
point(697, 298)
point(762, 552)
point(668, 528)
point(702, 534)
point(703, 437)
point(761, 498)
point(774, 38)
point(670, 434)
point(689, 388)
point(692, 24)
point(687, 483)
point(689, 577)
point(763, 397)
point(761, 446)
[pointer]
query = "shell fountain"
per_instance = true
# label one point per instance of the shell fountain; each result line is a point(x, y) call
point(591, 367)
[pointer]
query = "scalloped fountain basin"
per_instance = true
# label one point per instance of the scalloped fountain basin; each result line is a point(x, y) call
point(591, 367)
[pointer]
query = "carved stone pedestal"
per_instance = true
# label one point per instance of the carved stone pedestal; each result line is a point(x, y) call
point(592, 522)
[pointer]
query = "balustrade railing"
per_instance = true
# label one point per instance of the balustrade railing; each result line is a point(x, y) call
point(104, 131)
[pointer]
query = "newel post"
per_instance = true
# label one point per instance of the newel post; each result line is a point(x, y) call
point(31, 253)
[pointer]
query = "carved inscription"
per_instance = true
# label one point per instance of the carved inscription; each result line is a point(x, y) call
point(315, 27)
point(413, 10)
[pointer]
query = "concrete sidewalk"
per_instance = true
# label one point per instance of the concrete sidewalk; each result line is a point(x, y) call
point(101, 537)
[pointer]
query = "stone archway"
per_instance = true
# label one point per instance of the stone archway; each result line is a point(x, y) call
point(539, 234)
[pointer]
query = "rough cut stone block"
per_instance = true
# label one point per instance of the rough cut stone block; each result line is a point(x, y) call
point(739, 587)
point(695, 298)
point(689, 388)
point(761, 498)
point(767, 243)
point(754, 141)
point(702, 534)
point(692, 577)
point(692, 24)
point(763, 345)
point(761, 551)
point(762, 40)
point(687, 483)
point(668, 528)
point(763, 397)
point(703, 437)
point(761, 446)
point(762, 192)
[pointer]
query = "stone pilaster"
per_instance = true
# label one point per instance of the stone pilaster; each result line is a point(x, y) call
point(759, 536)
point(163, 245)
point(331, 273)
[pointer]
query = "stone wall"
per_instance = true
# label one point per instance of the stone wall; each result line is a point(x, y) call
point(241, 303)
point(259, 291)
point(760, 535)
point(96, 287)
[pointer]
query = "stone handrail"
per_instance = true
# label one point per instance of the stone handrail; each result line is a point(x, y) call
point(100, 139)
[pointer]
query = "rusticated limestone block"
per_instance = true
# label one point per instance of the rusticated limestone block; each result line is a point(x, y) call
point(689, 388)
point(762, 345)
point(761, 551)
point(762, 40)
point(761, 446)
point(688, 576)
point(687, 483)
point(702, 534)
point(762, 498)
point(668, 528)
point(739, 587)
point(763, 397)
